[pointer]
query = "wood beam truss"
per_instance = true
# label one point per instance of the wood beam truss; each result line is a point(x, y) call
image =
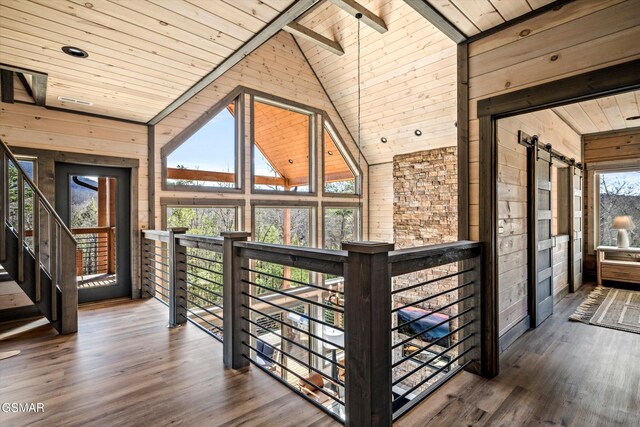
point(369, 18)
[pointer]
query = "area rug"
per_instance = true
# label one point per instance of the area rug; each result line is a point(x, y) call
point(611, 308)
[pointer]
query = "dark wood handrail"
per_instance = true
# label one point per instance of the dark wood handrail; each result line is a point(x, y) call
point(409, 260)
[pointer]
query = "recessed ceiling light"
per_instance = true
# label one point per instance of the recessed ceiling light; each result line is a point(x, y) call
point(76, 52)
point(633, 118)
point(330, 152)
point(418, 132)
point(290, 161)
point(383, 140)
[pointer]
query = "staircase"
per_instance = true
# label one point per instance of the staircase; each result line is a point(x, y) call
point(37, 250)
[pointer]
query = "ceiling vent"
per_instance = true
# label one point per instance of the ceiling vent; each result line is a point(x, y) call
point(74, 101)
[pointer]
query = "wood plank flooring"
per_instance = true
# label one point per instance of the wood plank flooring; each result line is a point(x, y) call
point(561, 374)
point(126, 368)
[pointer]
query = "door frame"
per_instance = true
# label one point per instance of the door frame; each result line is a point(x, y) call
point(46, 160)
point(581, 87)
point(64, 173)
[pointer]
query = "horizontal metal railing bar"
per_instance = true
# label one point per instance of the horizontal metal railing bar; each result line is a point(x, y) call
point(432, 388)
point(198, 325)
point(198, 267)
point(305, 364)
point(278, 306)
point(201, 297)
point(156, 269)
point(159, 285)
point(409, 260)
point(204, 309)
point(412, 337)
point(282, 381)
point(315, 353)
point(158, 292)
point(151, 244)
point(428, 282)
point(412, 389)
point(157, 277)
point(203, 278)
point(292, 372)
point(155, 254)
point(437, 310)
point(428, 346)
point(159, 299)
point(204, 289)
point(431, 360)
point(155, 261)
point(279, 292)
point(322, 288)
point(213, 325)
point(312, 335)
point(204, 259)
point(430, 297)
point(318, 260)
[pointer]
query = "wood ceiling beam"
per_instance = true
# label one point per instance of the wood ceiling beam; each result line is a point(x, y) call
point(371, 19)
point(6, 80)
point(38, 82)
point(437, 20)
point(291, 14)
point(315, 38)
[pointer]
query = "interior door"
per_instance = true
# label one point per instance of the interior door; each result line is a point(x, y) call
point(95, 203)
point(576, 266)
point(540, 235)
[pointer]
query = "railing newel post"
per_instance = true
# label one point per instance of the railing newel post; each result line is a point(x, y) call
point(233, 299)
point(368, 359)
point(177, 278)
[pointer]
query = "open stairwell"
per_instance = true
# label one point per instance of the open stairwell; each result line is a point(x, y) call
point(37, 250)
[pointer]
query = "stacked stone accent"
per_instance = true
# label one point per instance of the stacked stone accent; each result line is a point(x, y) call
point(425, 212)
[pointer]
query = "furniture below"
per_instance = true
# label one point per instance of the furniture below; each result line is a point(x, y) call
point(314, 387)
point(618, 264)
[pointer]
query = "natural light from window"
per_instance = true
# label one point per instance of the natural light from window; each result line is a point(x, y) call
point(619, 195)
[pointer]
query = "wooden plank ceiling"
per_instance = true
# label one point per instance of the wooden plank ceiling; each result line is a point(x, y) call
point(408, 76)
point(474, 16)
point(143, 54)
point(603, 114)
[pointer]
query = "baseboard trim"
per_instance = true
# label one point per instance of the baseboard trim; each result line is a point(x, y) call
point(514, 333)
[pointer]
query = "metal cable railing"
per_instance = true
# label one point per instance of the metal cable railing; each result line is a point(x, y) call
point(300, 347)
point(155, 269)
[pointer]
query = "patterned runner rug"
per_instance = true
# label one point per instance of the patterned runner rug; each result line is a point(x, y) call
point(610, 308)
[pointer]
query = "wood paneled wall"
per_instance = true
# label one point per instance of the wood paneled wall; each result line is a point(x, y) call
point(579, 37)
point(608, 150)
point(381, 202)
point(278, 68)
point(24, 126)
point(512, 204)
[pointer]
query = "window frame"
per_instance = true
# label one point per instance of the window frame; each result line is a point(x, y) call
point(346, 155)
point(337, 205)
point(313, 136)
point(313, 215)
point(595, 178)
point(236, 97)
point(237, 204)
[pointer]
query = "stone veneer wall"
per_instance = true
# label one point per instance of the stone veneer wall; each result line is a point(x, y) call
point(425, 212)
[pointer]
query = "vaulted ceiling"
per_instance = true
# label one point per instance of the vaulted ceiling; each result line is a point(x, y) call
point(147, 55)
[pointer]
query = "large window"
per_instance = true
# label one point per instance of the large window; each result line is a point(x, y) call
point(283, 226)
point(338, 172)
point(203, 220)
point(618, 195)
point(209, 157)
point(340, 225)
point(282, 149)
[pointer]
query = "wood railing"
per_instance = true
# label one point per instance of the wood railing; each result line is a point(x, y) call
point(326, 323)
point(51, 244)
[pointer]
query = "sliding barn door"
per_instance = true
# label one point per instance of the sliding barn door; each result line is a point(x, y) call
point(576, 243)
point(540, 238)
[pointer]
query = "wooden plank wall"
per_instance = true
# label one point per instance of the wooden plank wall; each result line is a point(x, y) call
point(381, 202)
point(278, 68)
point(512, 204)
point(606, 150)
point(579, 37)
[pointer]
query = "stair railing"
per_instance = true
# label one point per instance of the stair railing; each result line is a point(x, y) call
point(62, 246)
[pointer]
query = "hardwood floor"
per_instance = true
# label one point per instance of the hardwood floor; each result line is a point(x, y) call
point(126, 368)
point(563, 373)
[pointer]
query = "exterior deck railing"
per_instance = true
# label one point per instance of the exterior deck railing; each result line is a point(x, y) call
point(331, 325)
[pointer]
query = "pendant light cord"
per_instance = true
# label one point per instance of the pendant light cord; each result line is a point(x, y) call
point(358, 16)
